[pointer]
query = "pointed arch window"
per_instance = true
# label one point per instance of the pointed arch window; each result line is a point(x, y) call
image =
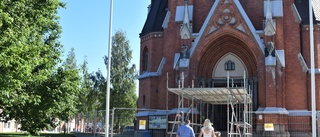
point(145, 59)
point(229, 65)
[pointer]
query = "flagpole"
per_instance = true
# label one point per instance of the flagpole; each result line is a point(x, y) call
point(108, 72)
point(313, 97)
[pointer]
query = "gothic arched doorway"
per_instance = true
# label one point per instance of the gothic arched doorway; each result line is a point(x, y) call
point(227, 54)
point(229, 65)
point(232, 66)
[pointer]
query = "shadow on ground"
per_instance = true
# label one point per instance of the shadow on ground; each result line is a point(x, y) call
point(41, 135)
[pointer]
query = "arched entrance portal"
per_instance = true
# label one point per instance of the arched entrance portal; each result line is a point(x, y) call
point(229, 65)
point(223, 54)
point(233, 66)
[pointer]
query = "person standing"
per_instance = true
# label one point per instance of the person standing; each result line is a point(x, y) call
point(207, 130)
point(64, 128)
point(185, 130)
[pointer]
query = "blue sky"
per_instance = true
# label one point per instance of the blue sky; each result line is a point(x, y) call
point(85, 26)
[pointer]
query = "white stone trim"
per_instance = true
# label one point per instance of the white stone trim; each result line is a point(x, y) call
point(180, 13)
point(166, 20)
point(296, 14)
point(276, 8)
point(280, 55)
point(243, 14)
point(154, 74)
point(176, 60)
point(272, 110)
point(303, 112)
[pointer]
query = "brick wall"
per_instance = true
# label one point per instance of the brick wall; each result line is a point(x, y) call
point(292, 86)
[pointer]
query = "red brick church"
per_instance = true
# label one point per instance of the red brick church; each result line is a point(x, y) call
point(206, 52)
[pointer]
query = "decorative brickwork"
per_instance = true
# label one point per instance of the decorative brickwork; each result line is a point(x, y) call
point(235, 27)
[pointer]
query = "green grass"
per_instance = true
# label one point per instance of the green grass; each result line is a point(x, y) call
point(41, 135)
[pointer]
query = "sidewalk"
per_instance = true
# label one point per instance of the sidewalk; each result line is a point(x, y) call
point(89, 135)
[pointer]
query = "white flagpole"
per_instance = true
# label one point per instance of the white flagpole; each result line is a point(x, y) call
point(313, 100)
point(108, 72)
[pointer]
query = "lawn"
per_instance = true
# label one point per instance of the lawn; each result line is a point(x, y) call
point(41, 135)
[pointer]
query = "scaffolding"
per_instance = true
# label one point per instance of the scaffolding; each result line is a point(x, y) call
point(237, 99)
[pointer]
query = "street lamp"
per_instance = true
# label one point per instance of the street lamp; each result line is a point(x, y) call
point(313, 96)
point(108, 73)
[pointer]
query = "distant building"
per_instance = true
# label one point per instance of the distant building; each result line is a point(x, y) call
point(13, 126)
point(204, 42)
point(10, 126)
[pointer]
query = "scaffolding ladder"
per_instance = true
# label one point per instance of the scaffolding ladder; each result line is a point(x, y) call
point(179, 116)
point(237, 125)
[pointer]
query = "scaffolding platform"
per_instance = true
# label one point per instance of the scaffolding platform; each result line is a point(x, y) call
point(237, 99)
point(214, 95)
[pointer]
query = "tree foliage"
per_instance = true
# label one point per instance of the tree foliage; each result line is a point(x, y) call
point(84, 105)
point(28, 46)
point(70, 84)
point(56, 98)
point(122, 77)
point(93, 87)
point(34, 90)
point(98, 90)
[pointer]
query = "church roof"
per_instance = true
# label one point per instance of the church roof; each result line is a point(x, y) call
point(303, 9)
point(155, 17)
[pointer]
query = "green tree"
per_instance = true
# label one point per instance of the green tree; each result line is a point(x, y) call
point(122, 78)
point(98, 90)
point(33, 90)
point(84, 106)
point(29, 47)
point(70, 87)
point(56, 97)
point(31, 85)
point(93, 88)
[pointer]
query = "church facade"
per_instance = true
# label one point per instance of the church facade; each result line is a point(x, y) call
point(262, 45)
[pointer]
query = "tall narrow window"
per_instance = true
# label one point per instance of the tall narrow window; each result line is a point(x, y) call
point(144, 100)
point(145, 59)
